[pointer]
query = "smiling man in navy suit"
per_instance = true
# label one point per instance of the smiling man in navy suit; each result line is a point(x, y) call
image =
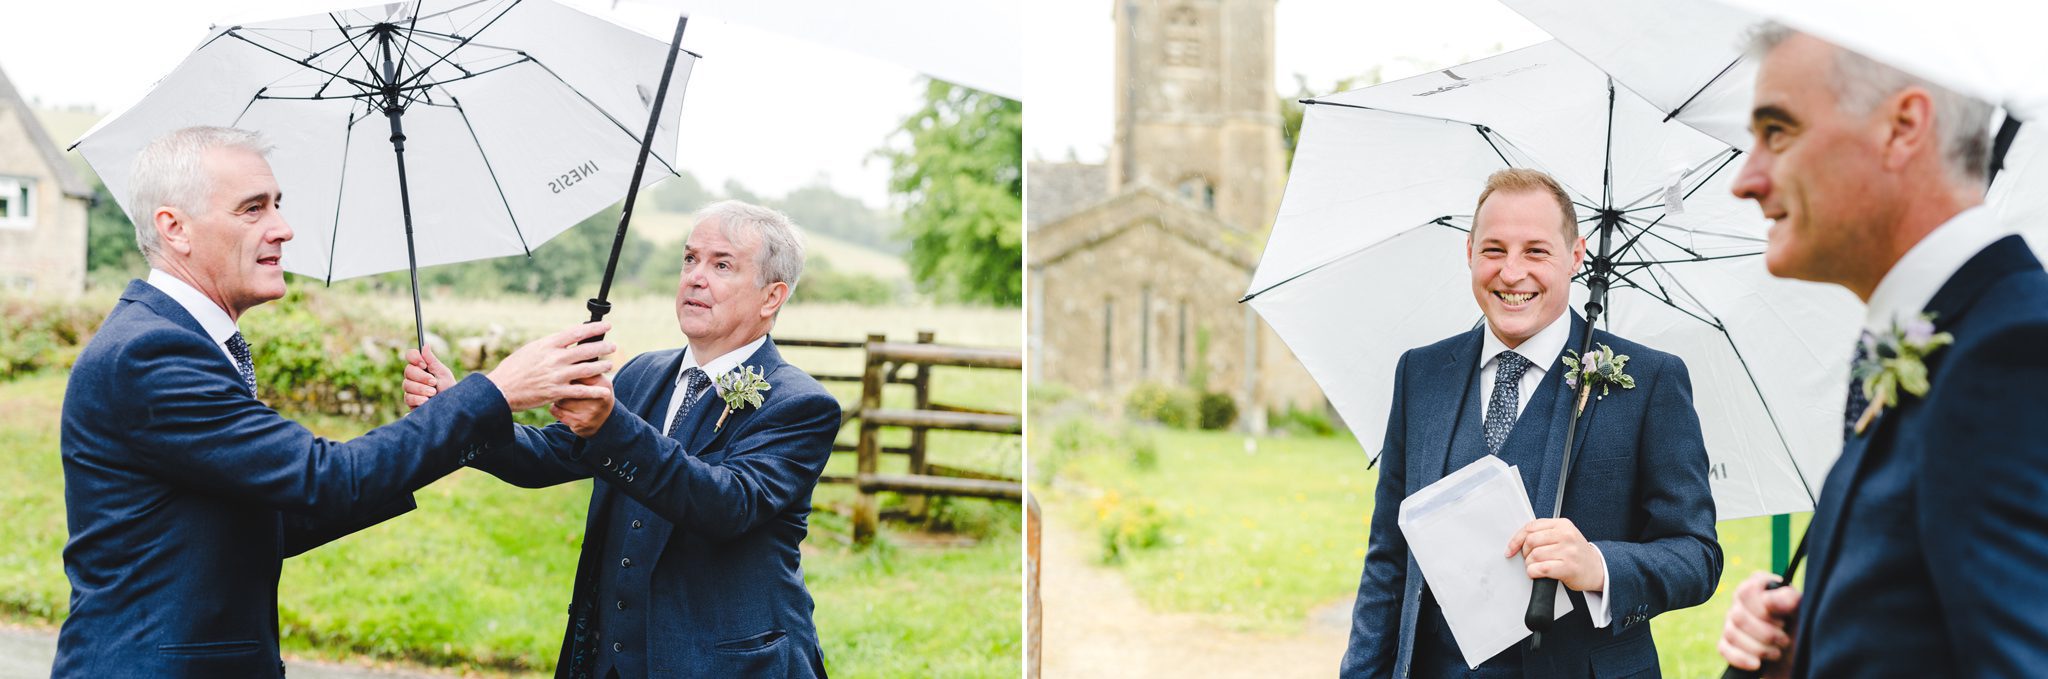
point(690, 564)
point(183, 493)
point(1636, 537)
point(1927, 549)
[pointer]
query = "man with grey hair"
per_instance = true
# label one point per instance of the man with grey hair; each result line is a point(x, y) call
point(707, 460)
point(1928, 540)
point(182, 491)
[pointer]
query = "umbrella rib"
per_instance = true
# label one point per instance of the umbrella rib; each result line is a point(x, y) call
point(465, 41)
point(1483, 130)
point(351, 39)
point(600, 111)
point(494, 176)
point(245, 108)
point(1607, 165)
point(1362, 108)
point(1441, 221)
point(1770, 413)
point(334, 230)
point(1703, 88)
point(1700, 258)
point(1649, 230)
point(286, 57)
point(411, 23)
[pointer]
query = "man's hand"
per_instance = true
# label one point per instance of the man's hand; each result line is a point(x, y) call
point(424, 377)
point(1553, 548)
point(1755, 631)
point(547, 369)
point(585, 415)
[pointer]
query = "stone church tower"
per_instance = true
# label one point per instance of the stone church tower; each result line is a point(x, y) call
point(1195, 109)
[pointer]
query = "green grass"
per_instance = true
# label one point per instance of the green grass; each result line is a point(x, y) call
point(1259, 537)
point(478, 577)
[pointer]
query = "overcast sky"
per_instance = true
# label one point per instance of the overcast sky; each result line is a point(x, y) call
point(1070, 46)
point(770, 111)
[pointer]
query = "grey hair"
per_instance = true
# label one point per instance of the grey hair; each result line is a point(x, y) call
point(171, 171)
point(781, 254)
point(1961, 123)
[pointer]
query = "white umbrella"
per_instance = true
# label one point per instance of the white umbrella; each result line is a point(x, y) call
point(1367, 258)
point(519, 118)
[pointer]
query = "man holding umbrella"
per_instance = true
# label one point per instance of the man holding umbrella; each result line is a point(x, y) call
point(705, 462)
point(1930, 535)
point(1636, 537)
point(182, 491)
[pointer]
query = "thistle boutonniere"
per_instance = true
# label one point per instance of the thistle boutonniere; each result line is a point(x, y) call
point(1601, 368)
point(741, 389)
point(1898, 360)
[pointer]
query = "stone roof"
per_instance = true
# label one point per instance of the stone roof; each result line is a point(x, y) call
point(1054, 190)
point(1141, 204)
point(67, 176)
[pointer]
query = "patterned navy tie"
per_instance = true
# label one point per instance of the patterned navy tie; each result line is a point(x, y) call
point(1858, 402)
point(1502, 410)
point(243, 364)
point(694, 382)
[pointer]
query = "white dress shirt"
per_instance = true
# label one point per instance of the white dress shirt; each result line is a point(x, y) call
point(213, 319)
point(717, 366)
point(1542, 350)
point(1911, 283)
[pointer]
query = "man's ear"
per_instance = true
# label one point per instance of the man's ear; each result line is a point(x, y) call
point(1909, 127)
point(1578, 252)
point(778, 292)
point(171, 230)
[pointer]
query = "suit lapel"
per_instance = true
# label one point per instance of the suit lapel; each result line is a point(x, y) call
point(1447, 380)
point(1561, 418)
point(1962, 290)
point(705, 432)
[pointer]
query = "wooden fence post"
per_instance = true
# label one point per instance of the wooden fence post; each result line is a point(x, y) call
point(921, 382)
point(866, 513)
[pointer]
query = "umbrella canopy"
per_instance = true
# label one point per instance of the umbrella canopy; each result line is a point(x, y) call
point(1367, 257)
point(520, 119)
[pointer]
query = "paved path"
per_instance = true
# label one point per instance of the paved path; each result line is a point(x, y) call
point(27, 653)
point(1095, 626)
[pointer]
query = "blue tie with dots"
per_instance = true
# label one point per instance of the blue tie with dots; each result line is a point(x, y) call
point(243, 364)
point(694, 382)
point(1857, 401)
point(1506, 402)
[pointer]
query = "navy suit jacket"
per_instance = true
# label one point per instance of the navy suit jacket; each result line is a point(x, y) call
point(731, 505)
point(1638, 491)
point(1930, 544)
point(184, 494)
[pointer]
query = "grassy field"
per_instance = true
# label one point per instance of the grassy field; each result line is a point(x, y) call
point(1260, 532)
point(478, 577)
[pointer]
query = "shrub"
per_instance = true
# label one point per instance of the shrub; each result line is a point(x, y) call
point(1128, 525)
point(36, 334)
point(1218, 410)
point(1142, 448)
point(1298, 422)
point(1168, 405)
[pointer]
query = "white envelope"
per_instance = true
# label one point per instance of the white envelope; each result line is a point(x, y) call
point(1456, 530)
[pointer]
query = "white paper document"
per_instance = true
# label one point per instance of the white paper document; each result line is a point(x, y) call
point(1456, 529)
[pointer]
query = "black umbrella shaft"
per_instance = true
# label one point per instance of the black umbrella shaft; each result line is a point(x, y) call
point(599, 306)
point(395, 113)
point(1543, 598)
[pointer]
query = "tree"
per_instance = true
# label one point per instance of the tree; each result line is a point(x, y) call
point(962, 175)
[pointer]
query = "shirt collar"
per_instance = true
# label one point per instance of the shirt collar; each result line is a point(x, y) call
point(1906, 289)
point(1542, 349)
point(722, 364)
point(213, 319)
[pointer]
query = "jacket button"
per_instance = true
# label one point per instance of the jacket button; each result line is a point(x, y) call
point(616, 646)
point(626, 563)
point(604, 462)
point(636, 523)
point(622, 604)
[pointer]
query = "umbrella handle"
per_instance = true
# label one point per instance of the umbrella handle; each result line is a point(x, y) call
point(1542, 610)
point(598, 308)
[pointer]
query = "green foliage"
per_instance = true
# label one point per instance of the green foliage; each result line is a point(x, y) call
point(1218, 410)
point(822, 283)
point(35, 334)
point(1128, 524)
point(819, 209)
point(1142, 448)
point(110, 253)
point(1301, 422)
point(962, 175)
point(1170, 405)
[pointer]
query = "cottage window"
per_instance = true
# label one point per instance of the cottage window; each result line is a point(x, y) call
point(17, 209)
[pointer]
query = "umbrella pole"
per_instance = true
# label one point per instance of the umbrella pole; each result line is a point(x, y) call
point(1543, 597)
point(395, 112)
point(599, 305)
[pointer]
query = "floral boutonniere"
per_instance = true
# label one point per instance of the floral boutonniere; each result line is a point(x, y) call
point(1898, 360)
point(1601, 368)
point(741, 389)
